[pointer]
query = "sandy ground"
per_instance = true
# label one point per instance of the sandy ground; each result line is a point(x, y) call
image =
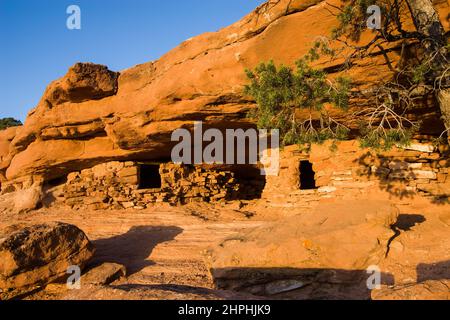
point(162, 247)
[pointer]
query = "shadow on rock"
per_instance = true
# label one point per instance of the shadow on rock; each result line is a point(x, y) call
point(133, 248)
point(299, 284)
point(433, 271)
point(165, 287)
point(406, 222)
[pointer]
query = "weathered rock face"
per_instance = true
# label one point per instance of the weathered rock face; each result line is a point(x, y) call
point(37, 255)
point(301, 256)
point(6, 136)
point(93, 115)
point(83, 82)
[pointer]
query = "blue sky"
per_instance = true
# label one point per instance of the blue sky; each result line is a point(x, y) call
point(36, 47)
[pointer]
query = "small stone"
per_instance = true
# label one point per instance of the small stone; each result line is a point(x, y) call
point(327, 189)
point(442, 177)
point(104, 274)
point(28, 199)
point(127, 205)
point(422, 174)
point(420, 147)
point(72, 176)
point(128, 171)
point(283, 286)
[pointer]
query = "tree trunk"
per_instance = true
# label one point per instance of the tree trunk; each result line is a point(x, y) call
point(428, 24)
point(443, 98)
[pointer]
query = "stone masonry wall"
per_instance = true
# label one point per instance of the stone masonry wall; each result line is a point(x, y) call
point(348, 172)
point(116, 185)
point(351, 172)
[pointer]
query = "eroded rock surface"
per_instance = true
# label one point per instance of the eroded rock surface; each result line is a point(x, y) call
point(83, 82)
point(93, 115)
point(162, 248)
point(28, 199)
point(36, 255)
point(321, 254)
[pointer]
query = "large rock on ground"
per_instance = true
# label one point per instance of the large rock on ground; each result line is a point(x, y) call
point(37, 255)
point(321, 254)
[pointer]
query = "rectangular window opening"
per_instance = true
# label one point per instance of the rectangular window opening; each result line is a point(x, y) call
point(149, 177)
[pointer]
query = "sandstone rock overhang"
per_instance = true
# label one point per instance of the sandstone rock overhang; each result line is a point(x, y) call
point(93, 115)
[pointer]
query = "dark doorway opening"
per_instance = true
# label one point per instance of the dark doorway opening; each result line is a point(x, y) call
point(307, 176)
point(149, 177)
point(251, 182)
point(56, 182)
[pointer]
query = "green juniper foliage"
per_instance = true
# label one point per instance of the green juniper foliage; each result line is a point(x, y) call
point(280, 91)
point(9, 122)
point(352, 18)
point(379, 139)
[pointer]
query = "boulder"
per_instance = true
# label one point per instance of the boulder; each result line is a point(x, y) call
point(28, 199)
point(34, 256)
point(331, 247)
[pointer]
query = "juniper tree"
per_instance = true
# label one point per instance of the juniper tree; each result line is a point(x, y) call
point(279, 91)
point(406, 24)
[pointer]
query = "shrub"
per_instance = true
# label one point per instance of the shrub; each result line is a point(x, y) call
point(9, 122)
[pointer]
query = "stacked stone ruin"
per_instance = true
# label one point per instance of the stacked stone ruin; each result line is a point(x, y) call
point(116, 185)
point(350, 172)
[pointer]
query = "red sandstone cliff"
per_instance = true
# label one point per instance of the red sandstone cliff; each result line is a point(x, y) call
point(92, 114)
